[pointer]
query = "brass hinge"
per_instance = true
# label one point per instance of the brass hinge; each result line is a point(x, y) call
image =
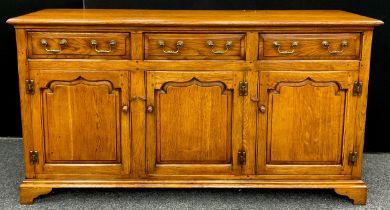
point(357, 88)
point(29, 86)
point(34, 157)
point(352, 158)
point(243, 88)
point(241, 157)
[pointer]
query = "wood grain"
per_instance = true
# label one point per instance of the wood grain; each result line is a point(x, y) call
point(357, 195)
point(231, 18)
point(307, 126)
point(299, 136)
point(308, 65)
point(69, 104)
point(25, 101)
point(194, 47)
point(205, 113)
point(249, 129)
point(190, 128)
point(79, 45)
point(92, 106)
point(309, 46)
point(361, 107)
point(129, 183)
point(28, 194)
point(354, 189)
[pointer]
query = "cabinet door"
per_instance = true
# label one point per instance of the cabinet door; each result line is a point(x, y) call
point(194, 123)
point(306, 122)
point(81, 122)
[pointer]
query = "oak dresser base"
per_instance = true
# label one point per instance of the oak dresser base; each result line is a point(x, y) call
point(193, 99)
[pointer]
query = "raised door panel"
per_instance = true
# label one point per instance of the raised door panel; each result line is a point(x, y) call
point(306, 126)
point(80, 113)
point(81, 122)
point(195, 124)
point(202, 114)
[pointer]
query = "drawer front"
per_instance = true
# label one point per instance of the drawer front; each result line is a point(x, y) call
point(194, 46)
point(310, 46)
point(79, 45)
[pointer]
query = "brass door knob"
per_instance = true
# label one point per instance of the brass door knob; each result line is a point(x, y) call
point(149, 109)
point(125, 109)
point(262, 109)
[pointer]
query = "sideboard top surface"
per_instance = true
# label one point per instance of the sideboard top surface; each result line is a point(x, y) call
point(236, 18)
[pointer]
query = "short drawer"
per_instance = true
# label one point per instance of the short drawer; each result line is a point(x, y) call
point(79, 45)
point(337, 46)
point(194, 46)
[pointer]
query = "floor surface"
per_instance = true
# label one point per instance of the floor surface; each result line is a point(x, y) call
point(376, 173)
